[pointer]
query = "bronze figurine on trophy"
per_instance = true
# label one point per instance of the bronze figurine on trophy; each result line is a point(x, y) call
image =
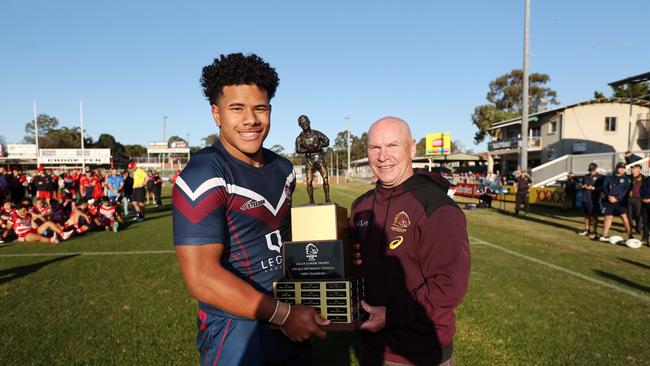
point(311, 143)
point(317, 262)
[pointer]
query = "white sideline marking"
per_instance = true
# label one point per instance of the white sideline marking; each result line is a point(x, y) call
point(562, 269)
point(61, 254)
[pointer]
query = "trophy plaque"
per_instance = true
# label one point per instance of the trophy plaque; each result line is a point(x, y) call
point(317, 266)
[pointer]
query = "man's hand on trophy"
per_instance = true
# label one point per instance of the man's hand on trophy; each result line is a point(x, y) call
point(356, 254)
point(303, 323)
point(377, 319)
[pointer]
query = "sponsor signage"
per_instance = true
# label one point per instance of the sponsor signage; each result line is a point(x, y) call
point(74, 156)
point(21, 151)
point(549, 196)
point(170, 150)
point(438, 143)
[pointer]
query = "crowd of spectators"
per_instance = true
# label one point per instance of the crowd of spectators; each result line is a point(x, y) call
point(47, 205)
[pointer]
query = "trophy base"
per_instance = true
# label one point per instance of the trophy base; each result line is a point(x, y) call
point(336, 300)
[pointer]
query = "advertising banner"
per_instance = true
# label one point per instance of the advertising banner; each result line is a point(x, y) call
point(438, 143)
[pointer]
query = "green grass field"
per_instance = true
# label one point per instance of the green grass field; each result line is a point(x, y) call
point(539, 295)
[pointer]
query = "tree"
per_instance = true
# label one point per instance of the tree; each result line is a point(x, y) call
point(45, 125)
point(457, 146)
point(3, 142)
point(637, 90)
point(174, 139)
point(277, 148)
point(106, 141)
point(63, 138)
point(134, 151)
point(209, 140)
point(421, 147)
point(505, 99)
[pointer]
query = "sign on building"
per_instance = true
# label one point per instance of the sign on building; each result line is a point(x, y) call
point(74, 156)
point(438, 143)
point(21, 151)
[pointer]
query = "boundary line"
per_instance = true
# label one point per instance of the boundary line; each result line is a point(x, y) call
point(62, 254)
point(562, 269)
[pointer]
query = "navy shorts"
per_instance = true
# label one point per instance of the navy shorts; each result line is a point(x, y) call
point(615, 209)
point(234, 341)
point(589, 208)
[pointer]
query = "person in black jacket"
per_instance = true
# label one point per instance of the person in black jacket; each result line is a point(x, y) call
point(645, 209)
point(616, 188)
point(591, 186)
point(157, 189)
point(128, 191)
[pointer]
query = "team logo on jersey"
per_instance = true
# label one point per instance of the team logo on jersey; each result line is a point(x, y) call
point(396, 242)
point(311, 252)
point(362, 223)
point(252, 204)
point(288, 191)
point(401, 222)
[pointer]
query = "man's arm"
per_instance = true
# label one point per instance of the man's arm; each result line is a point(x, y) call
point(324, 140)
point(299, 147)
point(210, 283)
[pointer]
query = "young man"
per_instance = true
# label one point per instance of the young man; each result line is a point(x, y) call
point(635, 206)
point(140, 180)
point(27, 230)
point(231, 214)
point(128, 192)
point(415, 255)
point(79, 219)
point(43, 185)
point(6, 213)
point(645, 206)
point(591, 186)
point(157, 189)
point(107, 216)
point(41, 211)
point(87, 184)
point(616, 188)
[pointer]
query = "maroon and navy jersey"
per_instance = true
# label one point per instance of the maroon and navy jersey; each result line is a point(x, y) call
point(220, 199)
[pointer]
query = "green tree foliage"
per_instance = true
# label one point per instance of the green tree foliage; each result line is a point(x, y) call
point(638, 90)
point(64, 138)
point(505, 99)
point(209, 140)
point(45, 124)
point(132, 151)
point(174, 139)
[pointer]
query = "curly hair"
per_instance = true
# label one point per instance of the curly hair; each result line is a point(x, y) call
point(238, 69)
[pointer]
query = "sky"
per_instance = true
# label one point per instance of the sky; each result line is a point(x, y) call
point(428, 62)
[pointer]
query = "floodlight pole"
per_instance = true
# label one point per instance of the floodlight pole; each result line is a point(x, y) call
point(35, 130)
point(349, 143)
point(165, 128)
point(81, 122)
point(523, 163)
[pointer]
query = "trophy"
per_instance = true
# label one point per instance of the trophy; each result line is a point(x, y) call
point(317, 263)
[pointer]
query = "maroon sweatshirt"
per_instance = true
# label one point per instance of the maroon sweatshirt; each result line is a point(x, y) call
point(416, 262)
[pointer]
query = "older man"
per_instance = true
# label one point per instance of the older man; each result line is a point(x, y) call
point(413, 241)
